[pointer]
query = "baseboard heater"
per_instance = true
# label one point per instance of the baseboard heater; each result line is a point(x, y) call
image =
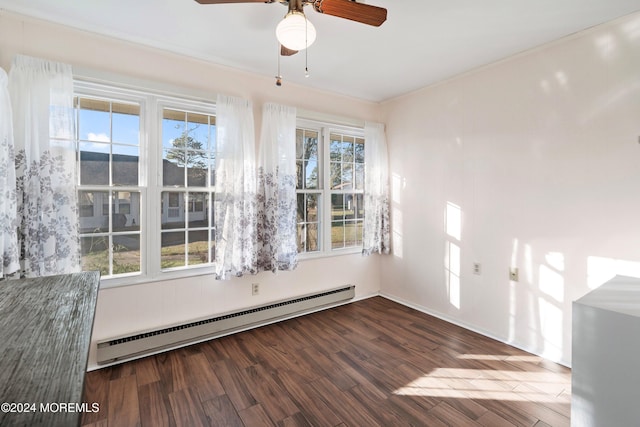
point(150, 342)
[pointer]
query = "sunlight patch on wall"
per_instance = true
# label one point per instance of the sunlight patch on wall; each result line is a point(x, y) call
point(551, 329)
point(452, 261)
point(528, 263)
point(396, 231)
point(397, 185)
point(453, 221)
point(514, 253)
point(452, 268)
point(550, 278)
point(600, 270)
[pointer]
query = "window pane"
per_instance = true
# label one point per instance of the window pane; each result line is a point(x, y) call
point(85, 204)
point(300, 174)
point(173, 168)
point(172, 210)
point(125, 211)
point(312, 237)
point(335, 149)
point(212, 245)
point(347, 176)
point(350, 234)
point(125, 164)
point(359, 206)
point(198, 210)
point(173, 127)
point(198, 247)
point(359, 176)
point(312, 207)
point(197, 168)
point(337, 207)
point(359, 149)
point(94, 121)
point(311, 173)
point(94, 163)
point(126, 123)
point(337, 235)
point(198, 130)
point(311, 145)
point(347, 148)
point(95, 254)
point(92, 218)
point(173, 250)
point(336, 175)
point(299, 144)
point(126, 254)
point(212, 170)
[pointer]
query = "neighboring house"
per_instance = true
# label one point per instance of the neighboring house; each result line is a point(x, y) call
point(125, 206)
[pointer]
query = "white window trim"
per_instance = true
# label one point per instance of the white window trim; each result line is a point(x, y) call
point(324, 130)
point(152, 99)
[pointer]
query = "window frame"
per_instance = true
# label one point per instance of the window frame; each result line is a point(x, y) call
point(85, 90)
point(325, 129)
point(152, 101)
point(193, 107)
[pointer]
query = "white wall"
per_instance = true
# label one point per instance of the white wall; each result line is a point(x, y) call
point(541, 154)
point(124, 310)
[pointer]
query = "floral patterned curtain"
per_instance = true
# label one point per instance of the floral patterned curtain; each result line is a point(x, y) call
point(9, 254)
point(43, 124)
point(235, 198)
point(277, 210)
point(376, 234)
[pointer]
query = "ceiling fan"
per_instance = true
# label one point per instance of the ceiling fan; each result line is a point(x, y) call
point(295, 32)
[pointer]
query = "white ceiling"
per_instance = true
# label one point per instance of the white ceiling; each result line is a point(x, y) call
point(422, 41)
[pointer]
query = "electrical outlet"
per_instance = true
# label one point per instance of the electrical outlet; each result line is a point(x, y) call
point(476, 268)
point(513, 274)
point(255, 288)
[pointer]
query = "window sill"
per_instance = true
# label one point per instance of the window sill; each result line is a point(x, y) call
point(140, 279)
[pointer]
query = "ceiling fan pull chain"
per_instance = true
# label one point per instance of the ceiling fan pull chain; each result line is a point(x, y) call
point(278, 76)
point(306, 51)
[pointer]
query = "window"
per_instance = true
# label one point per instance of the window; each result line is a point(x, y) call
point(147, 184)
point(138, 192)
point(346, 156)
point(109, 194)
point(187, 228)
point(329, 220)
point(308, 190)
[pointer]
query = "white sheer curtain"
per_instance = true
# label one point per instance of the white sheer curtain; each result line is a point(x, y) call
point(235, 198)
point(277, 189)
point(9, 253)
point(43, 124)
point(376, 235)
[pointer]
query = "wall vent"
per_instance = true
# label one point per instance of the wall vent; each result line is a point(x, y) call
point(150, 342)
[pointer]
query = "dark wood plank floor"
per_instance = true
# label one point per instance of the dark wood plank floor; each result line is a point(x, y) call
point(369, 363)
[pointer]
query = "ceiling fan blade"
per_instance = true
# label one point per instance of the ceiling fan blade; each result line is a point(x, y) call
point(233, 1)
point(287, 52)
point(359, 12)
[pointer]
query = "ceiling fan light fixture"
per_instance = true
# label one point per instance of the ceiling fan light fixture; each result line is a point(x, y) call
point(295, 31)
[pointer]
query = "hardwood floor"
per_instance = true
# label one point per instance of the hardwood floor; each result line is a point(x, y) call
point(369, 363)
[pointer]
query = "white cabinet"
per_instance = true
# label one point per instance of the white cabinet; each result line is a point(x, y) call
point(606, 356)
